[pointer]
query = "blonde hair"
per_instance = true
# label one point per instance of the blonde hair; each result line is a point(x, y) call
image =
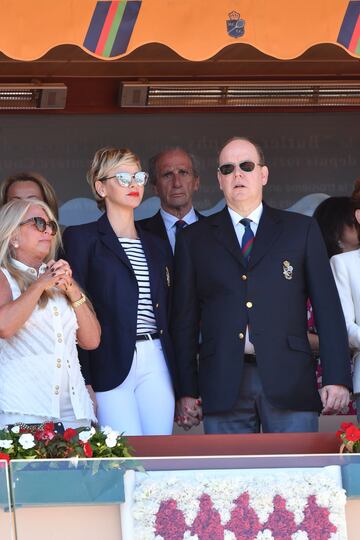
point(105, 159)
point(47, 191)
point(11, 215)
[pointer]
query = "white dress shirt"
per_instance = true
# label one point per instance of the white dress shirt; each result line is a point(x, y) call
point(170, 220)
point(239, 231)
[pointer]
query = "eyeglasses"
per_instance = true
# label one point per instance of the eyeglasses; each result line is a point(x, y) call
point(246, 166)
point(41, 224)
point(125, 179)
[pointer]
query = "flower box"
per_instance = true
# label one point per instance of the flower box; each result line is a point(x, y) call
point(62, 484)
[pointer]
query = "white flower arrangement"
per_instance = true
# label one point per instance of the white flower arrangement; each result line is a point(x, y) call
point(295, 488)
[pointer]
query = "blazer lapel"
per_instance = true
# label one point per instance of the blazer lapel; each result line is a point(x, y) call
point(268, 231)
point(109, 238)
point(225, 233)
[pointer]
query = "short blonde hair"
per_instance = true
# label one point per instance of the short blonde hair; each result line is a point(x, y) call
point(11, 215)
point(105, 159)
point(48, 192)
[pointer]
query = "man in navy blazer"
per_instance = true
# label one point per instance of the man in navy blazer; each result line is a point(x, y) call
point(175, 179)
point(255, 370)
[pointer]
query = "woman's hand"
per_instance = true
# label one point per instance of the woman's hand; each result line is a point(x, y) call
point(61, 269)
point(50, 277)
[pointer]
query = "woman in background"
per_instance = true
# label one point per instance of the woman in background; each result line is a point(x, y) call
point(127, 273)
point(43, 313)
point(335, 217)
point(29, 186)
point(337, 223)
point(346, 269)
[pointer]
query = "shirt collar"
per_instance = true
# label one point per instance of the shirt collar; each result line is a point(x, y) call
point(29, 269)
point(170, 220)
point(255, 215)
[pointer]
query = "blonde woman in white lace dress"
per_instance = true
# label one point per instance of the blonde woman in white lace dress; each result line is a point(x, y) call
point(43, 314)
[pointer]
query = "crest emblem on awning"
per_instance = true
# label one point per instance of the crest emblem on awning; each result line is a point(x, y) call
point(235, 26)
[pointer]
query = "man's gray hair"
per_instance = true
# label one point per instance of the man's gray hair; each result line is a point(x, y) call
point(154, 160)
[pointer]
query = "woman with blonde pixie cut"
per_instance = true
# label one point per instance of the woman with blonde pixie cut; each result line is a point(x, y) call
point(29, 186)
point(43, 313)
point(127, 273)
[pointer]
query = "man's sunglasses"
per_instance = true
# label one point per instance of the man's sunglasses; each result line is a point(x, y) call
point(125, 179)
point(246, 166)
point(41, 224)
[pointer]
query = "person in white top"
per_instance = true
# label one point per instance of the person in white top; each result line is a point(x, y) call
point(43, 313)
point(346, 270)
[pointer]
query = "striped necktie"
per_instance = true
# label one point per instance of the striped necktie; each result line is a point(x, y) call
point(179, 224)
point(247, 239)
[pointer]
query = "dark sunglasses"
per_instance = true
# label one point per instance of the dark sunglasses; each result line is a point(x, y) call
point(41, 224)
point(246, 166)
point(125, 179)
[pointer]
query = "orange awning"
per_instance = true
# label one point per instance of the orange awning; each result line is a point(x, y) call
point(196, 30)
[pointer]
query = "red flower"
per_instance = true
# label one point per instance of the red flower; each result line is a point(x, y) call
point(316, 521)
point(281, 521)
point(46, 433)
point(5, 456)
point(87, 449)
point(207, 524)
point(49, 426)
point(352, 433)
point(170, 522)
point(69, 433)
point(345, 425)
point(244, 522)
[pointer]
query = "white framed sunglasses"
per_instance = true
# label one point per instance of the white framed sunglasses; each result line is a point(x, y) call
point(125, 179)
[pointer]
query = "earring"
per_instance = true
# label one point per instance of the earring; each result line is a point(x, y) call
point(15, 244)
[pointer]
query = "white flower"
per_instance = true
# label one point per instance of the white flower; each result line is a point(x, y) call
point(106, 430)
point(27, 441)
point(84, 436)
point(229, 535)
point(6, 443)
point(111, 440)
point(299, 535)
point(264, 535)
point(15, 429)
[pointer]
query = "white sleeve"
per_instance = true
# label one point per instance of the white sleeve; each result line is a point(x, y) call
point(344, 285)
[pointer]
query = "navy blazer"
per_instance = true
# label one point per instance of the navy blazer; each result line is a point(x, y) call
point(214, 285)
point(101, 267)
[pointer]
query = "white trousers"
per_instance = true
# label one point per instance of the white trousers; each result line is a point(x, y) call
point(144, 403)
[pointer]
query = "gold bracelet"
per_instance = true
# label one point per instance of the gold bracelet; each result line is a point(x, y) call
point(78, 303)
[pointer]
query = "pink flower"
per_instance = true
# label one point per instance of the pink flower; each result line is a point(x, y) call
point(170, 521)
point(316, 521)
point(281, 521)
point(244, 522)
point(207, 524)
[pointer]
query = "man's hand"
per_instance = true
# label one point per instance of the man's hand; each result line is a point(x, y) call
point(334, 398)
point(188, 412)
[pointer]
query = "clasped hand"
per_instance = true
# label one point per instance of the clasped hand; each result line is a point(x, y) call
point(334, 398)
point(188, 412)
point(57, 274)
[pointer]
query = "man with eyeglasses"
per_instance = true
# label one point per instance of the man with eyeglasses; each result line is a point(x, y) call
point(246, 273)
point(175, 179)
